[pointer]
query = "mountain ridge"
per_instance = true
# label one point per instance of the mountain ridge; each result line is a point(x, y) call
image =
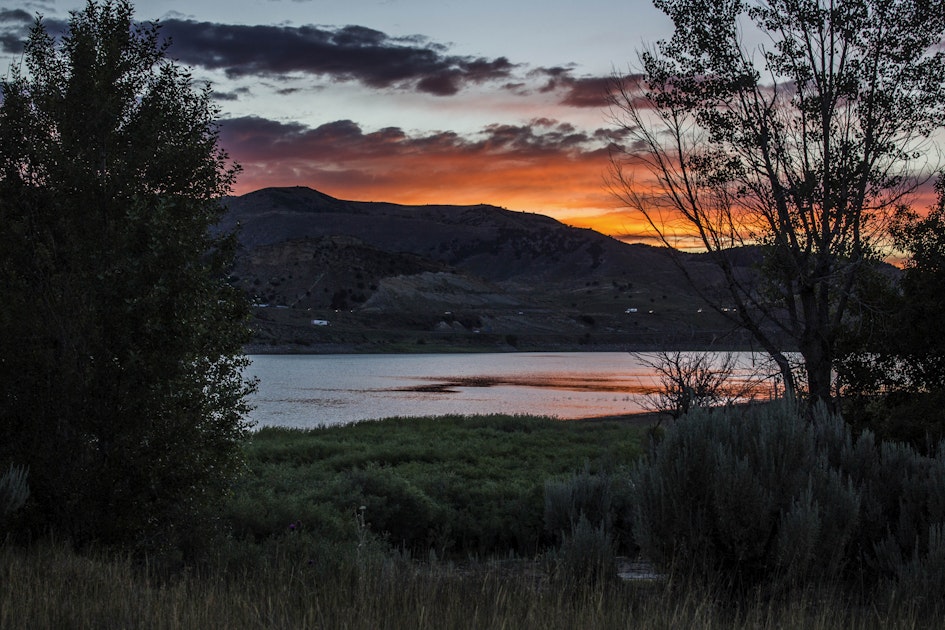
point(380, 271)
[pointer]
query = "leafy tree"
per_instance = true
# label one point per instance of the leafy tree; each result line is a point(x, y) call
point(891, 367)
point(918, 336)
point(802, 145)
point(121, 383)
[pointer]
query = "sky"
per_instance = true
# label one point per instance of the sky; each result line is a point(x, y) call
point(408, 101)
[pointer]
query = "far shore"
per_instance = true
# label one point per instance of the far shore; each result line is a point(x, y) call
point(353, 348)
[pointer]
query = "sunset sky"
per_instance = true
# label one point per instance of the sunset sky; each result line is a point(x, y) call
point(409, 101)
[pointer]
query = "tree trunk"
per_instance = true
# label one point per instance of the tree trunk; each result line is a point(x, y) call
point(818, 362)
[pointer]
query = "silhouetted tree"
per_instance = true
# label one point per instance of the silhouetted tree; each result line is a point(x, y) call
point(892, 366)
point(121, 361)
point(801, 145)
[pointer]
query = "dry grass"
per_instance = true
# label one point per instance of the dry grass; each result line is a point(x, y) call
point(52, 587)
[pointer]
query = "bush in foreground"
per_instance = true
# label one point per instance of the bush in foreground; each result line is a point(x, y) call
point(763, 496)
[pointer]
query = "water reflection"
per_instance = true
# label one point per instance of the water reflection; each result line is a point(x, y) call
point(313, 390)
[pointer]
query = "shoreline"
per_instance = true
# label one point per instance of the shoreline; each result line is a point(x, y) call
point(351, 348)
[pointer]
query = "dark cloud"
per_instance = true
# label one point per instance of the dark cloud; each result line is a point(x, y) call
point(265, 139)
point(588, 92)
point(15, 15)
point(233, 95)
point(14, 28)
point(350, 53)
point(583, 91)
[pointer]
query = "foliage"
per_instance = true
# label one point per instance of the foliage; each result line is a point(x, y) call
point(120, 341)
point(585, 555)
point(766, 497)
point(54, 587)
point(302, 576)
point(456, 485)
point(801, 146)
point(589, 516)
point(744, 496)
point(602, 499)
point(891, 371)
point(919, 342)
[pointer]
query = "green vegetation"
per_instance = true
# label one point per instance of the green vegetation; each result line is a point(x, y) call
point(459, 486)
point(432, 546)
point(121, 387)
point(134, 494)
point(51, 587)
point(14, 490)
point(765, 499)
point(892, 370)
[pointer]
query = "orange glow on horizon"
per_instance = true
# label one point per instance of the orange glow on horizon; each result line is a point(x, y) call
point(570, 187)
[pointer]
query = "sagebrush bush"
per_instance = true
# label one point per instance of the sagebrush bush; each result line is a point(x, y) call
point(602, 499)
point(582, 495)
point(905, 498)
point(586, 554)
point(743, 495)
point(766, 496)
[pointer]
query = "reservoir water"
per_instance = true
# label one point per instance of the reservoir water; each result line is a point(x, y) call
point(304, 391)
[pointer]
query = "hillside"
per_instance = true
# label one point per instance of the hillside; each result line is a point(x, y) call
point(392, 277)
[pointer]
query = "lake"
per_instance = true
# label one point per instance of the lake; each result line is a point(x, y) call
point(304, 391)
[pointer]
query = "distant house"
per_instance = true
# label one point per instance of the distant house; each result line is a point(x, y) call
point(319, 322)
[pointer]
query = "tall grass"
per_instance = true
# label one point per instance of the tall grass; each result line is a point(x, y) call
point(49, 586)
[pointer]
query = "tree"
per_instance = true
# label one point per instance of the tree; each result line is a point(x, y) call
point(918, 334)
point(686, 381)
point(891, 368)
point(121, 385)
point(802, 147)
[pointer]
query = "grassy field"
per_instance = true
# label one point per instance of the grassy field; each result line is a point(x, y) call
point(402, 523)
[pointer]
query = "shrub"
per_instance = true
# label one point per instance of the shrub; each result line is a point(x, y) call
point(581, 496)
point(766, 497)
point(602, 500)
point(903, 537)
point(744, 497)
point(585, 555)
point(393, 506)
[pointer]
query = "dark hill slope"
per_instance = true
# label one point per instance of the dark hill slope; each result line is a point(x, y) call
point(490, 242)
point(381, 271)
